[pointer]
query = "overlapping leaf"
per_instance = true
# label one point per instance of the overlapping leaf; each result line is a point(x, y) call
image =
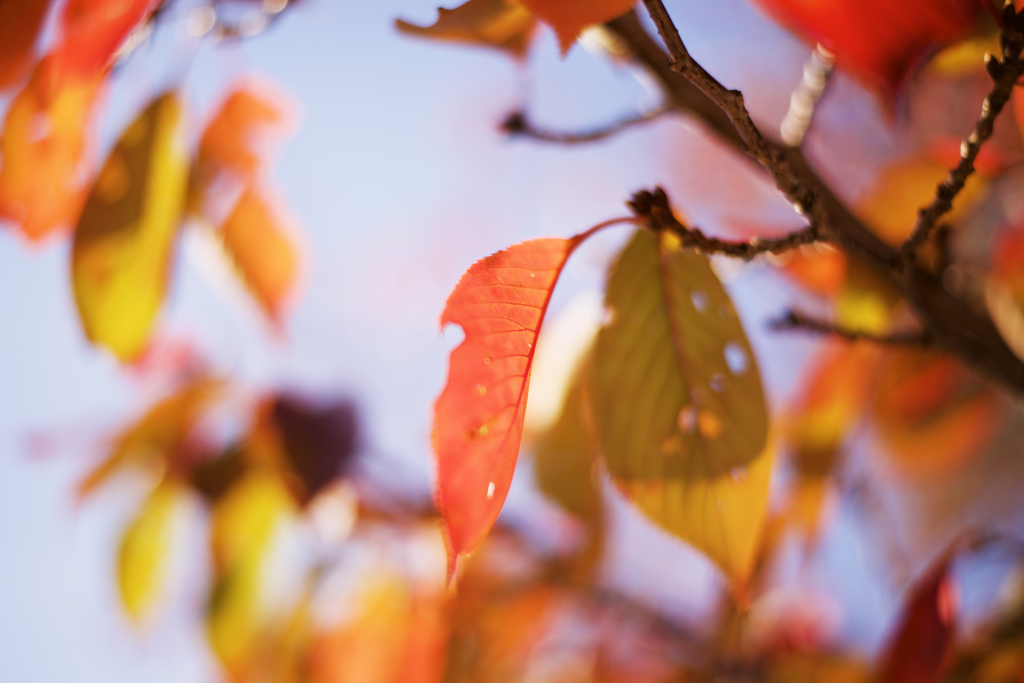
point(917, 650)
point(43, 144)
point(931, 413)
point(92, 32)
point(143, 557)
point(20, 24)
point(677, 402)
point(478, 419)
point(569, 17)
point(158, 436)
point(262, 250)
point(878, 41)
point(503, 24)
point(125, 236)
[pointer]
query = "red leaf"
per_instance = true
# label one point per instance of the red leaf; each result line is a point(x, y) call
point(478, 419)
point(878, 41)
point(917, 651)
point(20, 23)
point(92, 31)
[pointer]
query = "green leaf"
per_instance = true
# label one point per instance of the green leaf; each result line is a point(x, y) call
point(563, 459)
point(677, 402)
point(125, 236)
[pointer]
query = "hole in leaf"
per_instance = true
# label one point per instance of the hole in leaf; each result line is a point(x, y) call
point(717, 383)
point(736, 358)
point(700, 300)
point(687, 419)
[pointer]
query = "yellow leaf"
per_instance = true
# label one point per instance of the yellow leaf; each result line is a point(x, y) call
point(678, 405)
point(504, 24)
point(244, 526)
point(158, 436)
point(569, 17)
point(124, 240)
point(142, 560)
point(262, 250)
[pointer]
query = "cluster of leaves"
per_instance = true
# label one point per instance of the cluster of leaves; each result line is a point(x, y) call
point(125, 216)
point(668, 401)
point(667, 404)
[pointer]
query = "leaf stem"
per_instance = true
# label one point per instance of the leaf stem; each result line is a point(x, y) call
point(653, 208)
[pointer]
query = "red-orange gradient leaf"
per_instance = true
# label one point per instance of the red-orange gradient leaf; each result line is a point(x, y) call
point(878, 41)
point(42, 144)
point(569, 17)
point(478, 419)
point(20, 22)
point(91, 33)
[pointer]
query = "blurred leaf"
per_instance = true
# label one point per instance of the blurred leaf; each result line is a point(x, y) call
point(213, 477)
point(564, 462)
point(244, 525)
point(917, 650)
point(570, 17)
point(820, 268)
point(902, 188)
point(91, 32)
point(262, 250)
point(20, 23)
point(370, 647)
point(931, 413)
point(504, 24)
point(677, 402)
point(878, 41)
point(125, 237)
point(478, 418)
point(158, 437)
point(1004, 290)
point(319, 441)
point(143, 556)
point(43, 143)
point(236, 143)
point(833, 397)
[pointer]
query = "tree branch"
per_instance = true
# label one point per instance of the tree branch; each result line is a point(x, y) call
point(956, 325)
point(1004, 73)
point(794, 320)
point(518, 124)
point(654, 208)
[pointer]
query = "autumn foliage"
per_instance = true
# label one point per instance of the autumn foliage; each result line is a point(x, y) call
point(754, 468)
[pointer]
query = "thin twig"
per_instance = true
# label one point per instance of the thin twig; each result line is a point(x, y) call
point(654, 208)
point(1004, 73)
point(957, 325)
point(518, 124)
point(794, 320)
point(804, 199)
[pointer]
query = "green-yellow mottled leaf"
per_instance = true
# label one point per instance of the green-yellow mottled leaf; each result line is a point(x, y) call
point(503, 24)
point(125, 236)
point(142, 560)
point(677, 402)
point(563, 462)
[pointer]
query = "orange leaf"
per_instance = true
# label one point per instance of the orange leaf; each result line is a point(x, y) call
point(503, 24)
point(918, 648)
point(569, 17)
point(91, 32)
point(42, 145)
point(20, 22)
point(248, 119)
point(262, 250)
point(478, 419)
point(878, 41)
